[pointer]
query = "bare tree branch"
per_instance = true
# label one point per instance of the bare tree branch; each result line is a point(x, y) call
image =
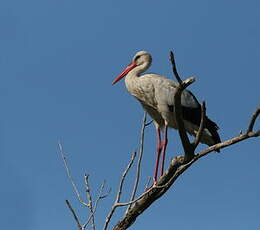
point(148, 183)
point(88, 194)
point(70, 176)
point(148, 123)
point(177, 166)
point(74, 215)
point(174, 68)
point(188, 148)
point(140, 155)
point(100, 197)
point(252, 121)
point(89, 197)
point(119, 192)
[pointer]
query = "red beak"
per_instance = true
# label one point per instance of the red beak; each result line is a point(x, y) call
point(125, 72)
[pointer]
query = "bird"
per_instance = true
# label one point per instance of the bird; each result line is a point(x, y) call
point(156, 95)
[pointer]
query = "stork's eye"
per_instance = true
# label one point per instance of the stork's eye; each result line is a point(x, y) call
point(137, 57)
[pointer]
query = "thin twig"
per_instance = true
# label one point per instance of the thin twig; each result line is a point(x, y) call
point(140, 155)
point(90, 204)
point(120, 204)
point(119, 192)
point(201, 127)
point(253, 119)
point(148, 123)
point(89, 197)
point(74, 215)
point(177, 167)
point(179, 164)
point(70, 176)
point(210, 149)
point(148, 183)
point(100, 197)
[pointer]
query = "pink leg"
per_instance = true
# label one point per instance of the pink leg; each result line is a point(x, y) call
point(159, 150)
point(164, 145)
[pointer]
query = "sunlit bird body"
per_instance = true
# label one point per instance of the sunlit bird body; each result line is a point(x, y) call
point(156, 94)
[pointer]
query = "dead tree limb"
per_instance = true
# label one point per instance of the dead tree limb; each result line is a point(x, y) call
point(140, 156)
point(119, 192)
point(252, 120)
point(68, 171)
point(176, 168)
point(101, 196)
point(180, 163)
point(74, 215)
point(92, 208)
point(187, 146)
point(89, 197)
point(174, 68)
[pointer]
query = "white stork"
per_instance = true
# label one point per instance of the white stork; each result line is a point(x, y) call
point(156, 94)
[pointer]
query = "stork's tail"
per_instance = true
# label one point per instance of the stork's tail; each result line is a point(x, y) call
point(213, 129)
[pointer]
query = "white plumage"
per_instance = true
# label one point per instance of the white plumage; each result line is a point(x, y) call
point(156, 94)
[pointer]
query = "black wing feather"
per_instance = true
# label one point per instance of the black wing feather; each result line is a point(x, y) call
point(191, 112)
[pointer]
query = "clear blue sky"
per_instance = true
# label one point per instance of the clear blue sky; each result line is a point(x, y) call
point(57, 61)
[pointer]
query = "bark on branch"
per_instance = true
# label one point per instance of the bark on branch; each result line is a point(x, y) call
point(187, 146)
point(180, 164)
point(176, 168)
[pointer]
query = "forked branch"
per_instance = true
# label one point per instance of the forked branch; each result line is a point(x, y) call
point(176, 168)
point(92, 208)
point(180, 163)
point(119, 192)
point(187, 146)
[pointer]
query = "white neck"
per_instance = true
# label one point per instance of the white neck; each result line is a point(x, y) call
point(132, 78)
point(135, 72)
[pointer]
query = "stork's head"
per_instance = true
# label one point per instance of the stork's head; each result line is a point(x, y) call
point(141, 62)
point(141, 58)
